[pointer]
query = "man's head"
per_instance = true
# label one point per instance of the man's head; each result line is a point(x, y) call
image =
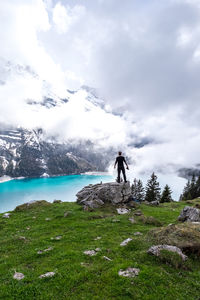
point(120, 153)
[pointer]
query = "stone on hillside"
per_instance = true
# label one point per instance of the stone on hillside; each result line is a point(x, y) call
point(155, 250)
point(125, 242)
point(137, 233)
point(94, 196)
point(97, 238)
point(22, 238)
point(185, 236)
point(132, 220)
point(48, 274)
point(6, 215)
point(107, 258)
point(57, 238)
point(32, 204)
point(66, 213)
point(47, 219)
point(129, 272)
point(154, 203)
point(190, 214)
point(45, 250)
point(138, 213)
point(90, 252)
point(122, 211)
point(18, 276)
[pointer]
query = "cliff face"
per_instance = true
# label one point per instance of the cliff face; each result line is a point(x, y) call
point(26, 153)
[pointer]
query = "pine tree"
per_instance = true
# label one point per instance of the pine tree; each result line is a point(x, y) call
point(197, 186)
point(166, 195)
point(191, 189)
point(137, 190)
point(140, 190)
point(152, 189)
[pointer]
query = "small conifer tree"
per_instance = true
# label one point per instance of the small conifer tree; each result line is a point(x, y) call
point(152, 189)
point(166, 195)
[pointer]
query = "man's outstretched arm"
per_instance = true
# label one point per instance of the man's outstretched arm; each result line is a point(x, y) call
point(126, 164)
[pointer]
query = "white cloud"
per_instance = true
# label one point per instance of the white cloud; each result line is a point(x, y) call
point(64, 16)
point(143, 56)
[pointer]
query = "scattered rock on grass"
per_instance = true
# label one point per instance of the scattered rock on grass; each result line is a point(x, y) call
point(122, 211)
point(138, 233)
point(190, 214)
point(6, 215)
point(125, 242)
point(132, 220)
point(66, 213)
point(57, 238)
point(155, 250)
point(129, 272)
point(48, 274)
point(47, 219)
point(138, 213)
point(18, 276)
point(107, 258)
point(23, 238)
point(97, 238)
point(45, 250)
point(84, 264)
point(92, 252)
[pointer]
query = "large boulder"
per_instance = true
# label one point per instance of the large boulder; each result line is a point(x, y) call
point(190, 214)
point(155, 250)
point(185, 236)
point(94, 196)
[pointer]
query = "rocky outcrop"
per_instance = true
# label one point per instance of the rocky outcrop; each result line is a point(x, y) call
point(155, 250)
point(94, 196)
point(190, 214)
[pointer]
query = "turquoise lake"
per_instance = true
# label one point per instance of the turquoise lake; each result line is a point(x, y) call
point(18, 191)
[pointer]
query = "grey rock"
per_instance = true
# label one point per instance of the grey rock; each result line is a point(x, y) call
point(132, 220)
point(138, 213)
point(90, 252)
point(47, 219)
point(107, 258)
point(57, 238)
point(125, 242)
point(122, 211)
point(45, 250)
point(129, 272)
point(155, 250)
point(48, 274)
point(18, 276)
point(94, 196)
point(154, 203)
point(6, 215)
point(97, 238)
point(137, 233)
point(190, 214)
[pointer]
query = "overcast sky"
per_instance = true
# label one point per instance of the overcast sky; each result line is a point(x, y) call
point(143, 56)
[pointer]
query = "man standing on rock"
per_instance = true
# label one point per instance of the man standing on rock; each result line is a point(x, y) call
point(120, 160)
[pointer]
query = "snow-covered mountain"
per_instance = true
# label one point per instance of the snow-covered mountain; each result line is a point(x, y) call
point(34, 151)
point(25, 153)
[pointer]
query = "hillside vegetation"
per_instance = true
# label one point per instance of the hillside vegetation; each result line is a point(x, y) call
point(67, 231)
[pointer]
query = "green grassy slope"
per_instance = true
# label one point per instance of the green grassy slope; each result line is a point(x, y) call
point(97, 278)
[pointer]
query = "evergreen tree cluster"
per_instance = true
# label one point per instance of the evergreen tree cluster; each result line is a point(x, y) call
point(152, 191)
point(191, 189)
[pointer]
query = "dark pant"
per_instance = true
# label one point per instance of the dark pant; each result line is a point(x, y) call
point(119, 172)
